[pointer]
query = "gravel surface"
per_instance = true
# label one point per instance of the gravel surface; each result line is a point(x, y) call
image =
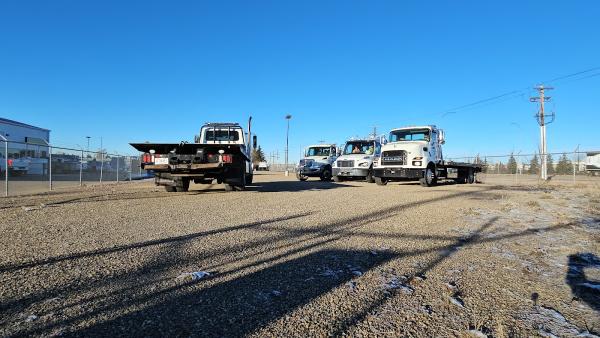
point(288, 258)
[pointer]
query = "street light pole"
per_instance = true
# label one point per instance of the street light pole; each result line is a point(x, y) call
point(288, 117)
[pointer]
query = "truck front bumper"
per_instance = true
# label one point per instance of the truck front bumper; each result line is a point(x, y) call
point(310, 171)
point(398, 173)
point(350, 172)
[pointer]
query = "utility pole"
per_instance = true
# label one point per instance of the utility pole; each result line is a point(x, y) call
point(543, 119)
point(288, 117)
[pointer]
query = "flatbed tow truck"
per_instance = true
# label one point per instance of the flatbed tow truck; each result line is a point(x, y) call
point(415, 153)
point(221, 152)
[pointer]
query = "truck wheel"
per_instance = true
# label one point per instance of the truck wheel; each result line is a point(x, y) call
point(471, 177)
point(337, 179)
point(301, 177)
point(380, 181)
point(170, 188)
point(369, 178)
point(182, 184)
point(326, 175)
point(430, 178)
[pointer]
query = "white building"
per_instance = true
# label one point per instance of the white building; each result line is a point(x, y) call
point(24, 140)
point(592, 162)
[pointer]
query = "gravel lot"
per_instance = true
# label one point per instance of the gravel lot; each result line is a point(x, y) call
point(291, 258)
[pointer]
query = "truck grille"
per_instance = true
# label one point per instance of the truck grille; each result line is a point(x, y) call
point(345, 163)
point(394, 157)
point(306, 163)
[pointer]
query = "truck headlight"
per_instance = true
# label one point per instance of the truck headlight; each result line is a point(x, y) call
point(416, 163)
point(363, 164)
point(376, 162)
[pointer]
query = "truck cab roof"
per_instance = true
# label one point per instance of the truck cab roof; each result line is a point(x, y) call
point(320, 145)
point(431, 126)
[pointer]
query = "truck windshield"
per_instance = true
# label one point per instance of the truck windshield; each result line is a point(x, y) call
point(409, 135)
point(358, 147)
point(318, 151)
point(222, 135)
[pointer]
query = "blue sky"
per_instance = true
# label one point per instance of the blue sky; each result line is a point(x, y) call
point(156, 70)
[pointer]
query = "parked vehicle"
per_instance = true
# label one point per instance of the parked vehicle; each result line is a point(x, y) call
point(592, 163)
point(356, 160)
point(317, 162)
point(221, 152)
point(263, 166)
point(415, 153)
point(16, 166)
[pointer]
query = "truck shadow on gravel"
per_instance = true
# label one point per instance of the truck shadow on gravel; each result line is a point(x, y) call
point(243, 305)
point(145, 299)
point(294, 186)
point(582, 287)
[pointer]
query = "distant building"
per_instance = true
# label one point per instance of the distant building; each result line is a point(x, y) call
point(592, 161)
point(24, 140)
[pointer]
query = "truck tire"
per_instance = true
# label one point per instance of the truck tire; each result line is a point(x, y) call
point(338, 179)
point(301, 177)
point(471, 177)
point(380, 181)
point(326, 175)
point(182, 184)
point(369, 178)
point(238, 184)
point(430, 178)
point(170, 188)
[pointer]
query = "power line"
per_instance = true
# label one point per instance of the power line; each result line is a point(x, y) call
point(571, 75)
point(513, 93)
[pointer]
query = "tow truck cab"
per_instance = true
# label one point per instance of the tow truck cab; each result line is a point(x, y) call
point(356, 160)
point(317, 162)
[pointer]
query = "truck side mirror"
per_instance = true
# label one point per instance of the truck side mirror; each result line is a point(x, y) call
point(254, 142)
point(441, 137)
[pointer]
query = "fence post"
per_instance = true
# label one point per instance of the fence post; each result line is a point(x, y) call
point(5, 165)
point(118, 160)
point(81, 169)
point(50, 166)
point(101, 164)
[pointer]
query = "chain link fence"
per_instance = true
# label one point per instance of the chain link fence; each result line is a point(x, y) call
point(28, 168)
point(563, 167)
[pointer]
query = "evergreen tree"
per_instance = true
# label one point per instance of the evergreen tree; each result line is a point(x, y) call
point(512, 165)
point(564, 166)
point(534, 165)
point(258, 155)
point(550, 164)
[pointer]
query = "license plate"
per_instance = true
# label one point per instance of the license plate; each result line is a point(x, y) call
point(161, 160)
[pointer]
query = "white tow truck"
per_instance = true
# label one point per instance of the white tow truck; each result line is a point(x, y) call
point(356, 160)
point(317, 162)
point(415, 153)
point(222, 152)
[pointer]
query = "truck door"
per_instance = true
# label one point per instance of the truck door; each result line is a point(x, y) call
point(435, 146)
